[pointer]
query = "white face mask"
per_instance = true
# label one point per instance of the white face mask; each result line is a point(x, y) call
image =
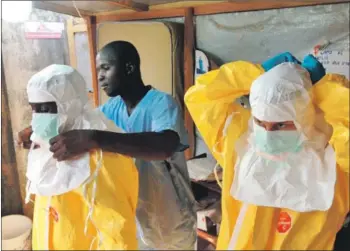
point(45, 125)
point(276, 142)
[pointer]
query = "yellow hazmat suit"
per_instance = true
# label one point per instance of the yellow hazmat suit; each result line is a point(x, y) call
point(211, 103)
point(87, 203)
point(113, 226)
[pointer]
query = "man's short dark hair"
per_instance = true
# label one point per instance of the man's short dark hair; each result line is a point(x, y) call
point(122, 51)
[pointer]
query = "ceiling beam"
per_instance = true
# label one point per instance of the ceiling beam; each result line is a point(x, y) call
point(144, 15)
point(44, 5)
point(254, 5)
point(214, 8)
point(129, 4)
point(206, 9)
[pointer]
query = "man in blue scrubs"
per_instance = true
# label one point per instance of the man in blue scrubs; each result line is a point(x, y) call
point(154, 136)
point(165, 212)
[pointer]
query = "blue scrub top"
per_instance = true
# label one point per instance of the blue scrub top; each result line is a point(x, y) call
point(156, 112)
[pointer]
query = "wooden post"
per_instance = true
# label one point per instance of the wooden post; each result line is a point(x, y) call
point(189, 44)
point(71, 44)
point(91, 31)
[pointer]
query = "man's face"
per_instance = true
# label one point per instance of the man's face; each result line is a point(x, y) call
point(110, 75)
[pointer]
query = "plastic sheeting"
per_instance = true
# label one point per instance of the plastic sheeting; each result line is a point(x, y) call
point(83, 58)
point(256, 36)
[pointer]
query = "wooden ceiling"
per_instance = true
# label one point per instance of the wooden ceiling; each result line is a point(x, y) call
point(100, 8)
point(88, 8)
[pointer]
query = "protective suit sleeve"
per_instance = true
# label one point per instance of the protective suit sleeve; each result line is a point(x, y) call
point(211, 103)
point(331, 95)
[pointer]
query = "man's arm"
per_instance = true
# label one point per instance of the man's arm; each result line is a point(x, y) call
point(211, 103)
point(146, 145)
point(331, 95)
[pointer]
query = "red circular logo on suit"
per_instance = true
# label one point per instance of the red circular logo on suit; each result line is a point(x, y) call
point(284, 223)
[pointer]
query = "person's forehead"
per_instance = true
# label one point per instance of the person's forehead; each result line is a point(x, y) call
point(43, 103)
point(107, 57)
point(275, 122)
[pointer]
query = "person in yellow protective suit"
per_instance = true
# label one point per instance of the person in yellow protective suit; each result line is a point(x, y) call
point(87, 203)
point(286, 162)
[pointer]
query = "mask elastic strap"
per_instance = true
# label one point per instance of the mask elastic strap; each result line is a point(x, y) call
point(99, 157)
point(93, 195)
point(227, 123)
point(238, 227)
point(216, 175)
point(27, 197)
point(92, 243)
point(140, 232)
point(224, 134)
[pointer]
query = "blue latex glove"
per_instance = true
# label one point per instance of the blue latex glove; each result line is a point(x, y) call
point(279, 59)
point(314, 67)
point(310, 63)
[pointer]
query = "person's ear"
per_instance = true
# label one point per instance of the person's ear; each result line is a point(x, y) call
point(130, 68)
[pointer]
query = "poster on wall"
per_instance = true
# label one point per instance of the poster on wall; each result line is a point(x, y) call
point(335, 61)
point(202, 64)
point(43, 30)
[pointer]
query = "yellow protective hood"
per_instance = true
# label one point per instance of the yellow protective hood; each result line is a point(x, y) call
point(211, 101)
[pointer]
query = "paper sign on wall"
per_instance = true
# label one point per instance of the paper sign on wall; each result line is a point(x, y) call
point(335, 61)
point(43, 30)
point(202, 64)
